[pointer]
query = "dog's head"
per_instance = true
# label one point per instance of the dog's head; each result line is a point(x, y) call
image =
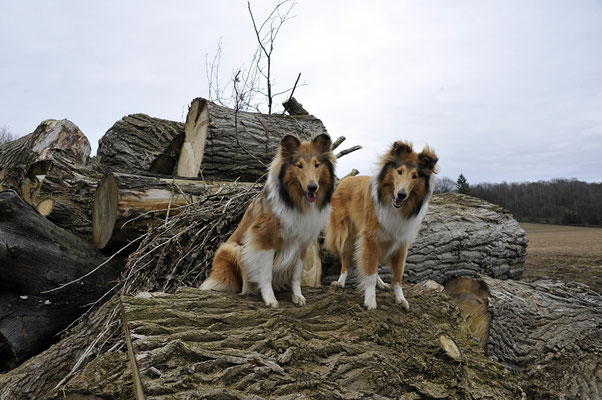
point(404, 175)
point(306, 170)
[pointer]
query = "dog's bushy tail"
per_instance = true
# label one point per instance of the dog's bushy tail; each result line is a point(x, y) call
point(226, 273)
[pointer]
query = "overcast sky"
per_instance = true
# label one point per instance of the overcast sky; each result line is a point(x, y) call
point(502, 90)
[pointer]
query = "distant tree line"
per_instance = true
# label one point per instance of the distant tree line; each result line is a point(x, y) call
point(559, 201)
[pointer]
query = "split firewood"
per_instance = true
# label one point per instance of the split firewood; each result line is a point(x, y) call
point(549, 331)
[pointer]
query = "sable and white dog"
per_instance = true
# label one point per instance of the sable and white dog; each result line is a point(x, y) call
point(267, 249)
point(378, 218)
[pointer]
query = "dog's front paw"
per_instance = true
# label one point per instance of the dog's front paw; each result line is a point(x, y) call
point(404, 303)
point(370, 302)
point(298, 299)
point(273, 303)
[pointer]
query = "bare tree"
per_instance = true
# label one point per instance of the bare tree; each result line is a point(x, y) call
point(252, 88)
point(6, 135)
point(444, 185)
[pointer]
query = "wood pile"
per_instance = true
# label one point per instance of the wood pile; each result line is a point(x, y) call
point(164, 194)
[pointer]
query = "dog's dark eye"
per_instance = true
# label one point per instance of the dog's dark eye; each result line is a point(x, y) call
point(299, 165)
point(414, 176)
point(317, 165)
point(400, 172)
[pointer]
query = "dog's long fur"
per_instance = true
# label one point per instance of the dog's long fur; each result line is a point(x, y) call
point(267, 249)
point(377, 218)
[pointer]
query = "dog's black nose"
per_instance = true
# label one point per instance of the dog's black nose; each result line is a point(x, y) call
point(402, 194)
point(312, 187)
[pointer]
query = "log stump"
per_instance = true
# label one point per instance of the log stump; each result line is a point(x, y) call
point(549, 332)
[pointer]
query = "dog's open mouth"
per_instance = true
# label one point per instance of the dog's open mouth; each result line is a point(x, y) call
point(397, 202)
point(311, 197)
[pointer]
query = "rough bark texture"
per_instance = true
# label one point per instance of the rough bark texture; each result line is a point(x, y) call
point(237, 146)
point(242, 145)
point(48, 167)
point(36, 256)
point(205, 345)
point(126, 205)
point(460, 236)
point(139, 144)
point(550, 332)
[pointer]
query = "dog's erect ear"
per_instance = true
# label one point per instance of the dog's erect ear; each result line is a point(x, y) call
point(401, 149)
point(427, 159)
point(322, 143)
point(290, 143)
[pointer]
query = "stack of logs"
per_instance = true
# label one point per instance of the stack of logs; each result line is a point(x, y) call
point(63, 214)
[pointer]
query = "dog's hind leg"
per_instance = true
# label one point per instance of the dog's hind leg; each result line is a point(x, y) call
point(258, 265)
point(382, 284)
point(345, 252)
point(367, 260)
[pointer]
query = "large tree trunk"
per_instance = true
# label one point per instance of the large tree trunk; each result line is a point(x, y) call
point(48, 169)
point(206, 345)
point(548, 331)
point(217, 143)
point(126, 205)
point(460, 236)
point(37, 256)
point(139, 144)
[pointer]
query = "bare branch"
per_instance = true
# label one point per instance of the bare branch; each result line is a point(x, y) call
point(349, 150)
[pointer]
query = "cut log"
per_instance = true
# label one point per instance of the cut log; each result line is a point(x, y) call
point(37, 256)
point(217, 143)
point(125, 205)
point(48, 169)
point(242, 145)
point(21, 158)
point(141, 144)
point(460, 236)
point(205, 345)
point(549, 332)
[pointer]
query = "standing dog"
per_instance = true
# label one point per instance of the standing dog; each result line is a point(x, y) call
point(378, 217)
point(267, 249)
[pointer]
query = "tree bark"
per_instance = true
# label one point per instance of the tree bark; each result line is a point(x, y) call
point(549, 332)
point(37, 256)
point(125, 205)
point(242, 144)
point(460, 236)
point(217, 143)
point(138, 144)
point(48, 169)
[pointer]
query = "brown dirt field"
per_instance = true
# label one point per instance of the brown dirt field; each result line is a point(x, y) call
point(564, 252)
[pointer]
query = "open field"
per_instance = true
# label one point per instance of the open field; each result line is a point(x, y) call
point(564, 252)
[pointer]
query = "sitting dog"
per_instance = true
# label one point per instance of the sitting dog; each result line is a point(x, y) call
point(267, 249)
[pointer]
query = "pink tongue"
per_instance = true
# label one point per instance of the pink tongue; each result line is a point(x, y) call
point(311, 197)
point(397, 202)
